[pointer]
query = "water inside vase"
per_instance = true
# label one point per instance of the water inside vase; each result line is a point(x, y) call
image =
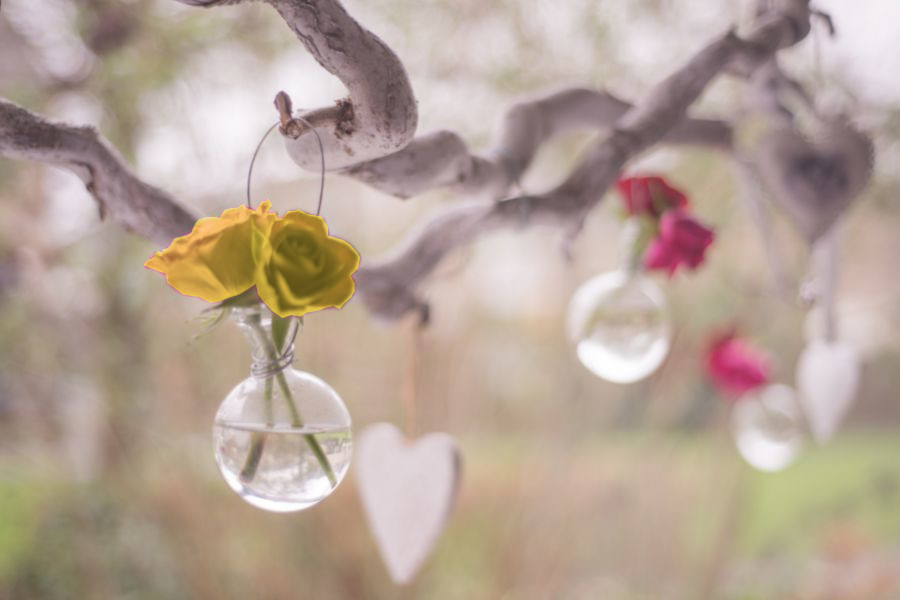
point(278, 468)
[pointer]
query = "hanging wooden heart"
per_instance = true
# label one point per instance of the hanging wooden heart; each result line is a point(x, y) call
point(816, 180)
point(408, 488)
point(827, 379)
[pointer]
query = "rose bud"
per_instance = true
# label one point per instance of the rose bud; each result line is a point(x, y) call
point(651, 196)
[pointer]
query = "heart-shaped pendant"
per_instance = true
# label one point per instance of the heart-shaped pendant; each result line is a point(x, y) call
point(408, 488)
point(827, 379)
point(815, 181)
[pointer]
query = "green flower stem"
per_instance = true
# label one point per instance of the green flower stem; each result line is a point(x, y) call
point(258, 440)
point(251, 464)
point(638, 235)
point(311, 440)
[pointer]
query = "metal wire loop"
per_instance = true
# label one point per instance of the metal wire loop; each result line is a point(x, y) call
point(321, 155)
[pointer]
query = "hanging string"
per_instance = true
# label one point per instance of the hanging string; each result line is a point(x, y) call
point(825, 255)
point(414, 346)
point(321, 157)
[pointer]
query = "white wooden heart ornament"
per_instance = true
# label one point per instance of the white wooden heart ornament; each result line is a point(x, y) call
point(408, 488)
point(827, 379)
point(816, 180)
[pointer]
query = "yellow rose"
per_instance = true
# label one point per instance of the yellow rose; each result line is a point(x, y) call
point(214, 261)
point(301, 269)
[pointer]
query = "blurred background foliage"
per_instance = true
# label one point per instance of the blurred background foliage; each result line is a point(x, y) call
point(573, 488)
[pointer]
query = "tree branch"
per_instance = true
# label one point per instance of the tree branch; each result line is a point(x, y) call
point(369, 136)
point(383, 121)
point(442, 160)
point(383, 116)
point(128, 201)
point(388, 288)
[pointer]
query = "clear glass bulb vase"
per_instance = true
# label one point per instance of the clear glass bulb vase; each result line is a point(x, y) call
point(282, 436)
point(768, 427)
point(619, 327)
point(618, 321)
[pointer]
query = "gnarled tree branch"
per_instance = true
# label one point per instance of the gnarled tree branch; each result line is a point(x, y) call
point(442, 160)
point(389, 287)
point(381, 107)
point(383, 120)
point(383, 116)
point(120, 195)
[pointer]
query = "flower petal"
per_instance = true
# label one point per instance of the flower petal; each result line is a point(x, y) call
point(302, 269)
point(213, 261)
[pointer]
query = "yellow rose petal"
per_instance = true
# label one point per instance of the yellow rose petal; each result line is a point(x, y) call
point(215, 261)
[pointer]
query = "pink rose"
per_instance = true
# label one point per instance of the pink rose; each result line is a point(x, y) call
point(734, 366)
point(651, 196)
point(682, 240)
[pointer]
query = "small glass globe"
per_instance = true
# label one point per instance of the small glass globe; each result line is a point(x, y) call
point(282, 436)
point(619, 326)
point(767, 428)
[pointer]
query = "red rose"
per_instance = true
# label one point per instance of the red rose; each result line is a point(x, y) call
point(734, 366)
point(682, 240)
point(650, 196)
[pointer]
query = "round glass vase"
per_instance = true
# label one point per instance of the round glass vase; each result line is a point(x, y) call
point(618, 321)
point(618, 324)
point(767, 426)
point(282, 436)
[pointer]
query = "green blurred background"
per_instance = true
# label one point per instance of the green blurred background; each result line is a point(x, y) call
point(573, 488)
